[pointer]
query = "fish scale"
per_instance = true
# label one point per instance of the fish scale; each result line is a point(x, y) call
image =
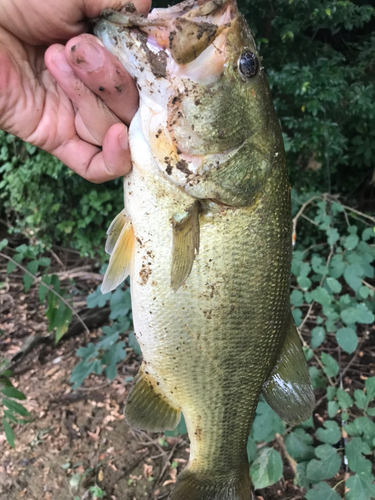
point(206, 238)
point(227, 281)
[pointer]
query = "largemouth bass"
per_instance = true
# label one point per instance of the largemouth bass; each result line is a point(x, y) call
point(206, 238)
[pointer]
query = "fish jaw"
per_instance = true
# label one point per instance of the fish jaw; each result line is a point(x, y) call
point(210, 132)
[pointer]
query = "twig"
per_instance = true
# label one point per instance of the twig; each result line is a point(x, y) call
point(292, 462)
point(372, 219)
point(101, 386)
point(368, 285)
point(48, 288)
point(361, 340)
point(167, 462)
point(56, 257)
point(300, 212)
point(306, 318)
point(150, 441)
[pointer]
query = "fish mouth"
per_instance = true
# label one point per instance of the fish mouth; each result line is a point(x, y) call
point(184, 31)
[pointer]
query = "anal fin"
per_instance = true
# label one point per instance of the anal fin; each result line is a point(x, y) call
point(121, 257)
point(185, 245)
point(147, 407)
point(288, 389)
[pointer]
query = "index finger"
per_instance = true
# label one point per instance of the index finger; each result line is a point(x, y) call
point(103, 74)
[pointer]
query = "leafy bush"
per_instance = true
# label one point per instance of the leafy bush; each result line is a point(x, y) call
point(50, 204)
point(12, 410)
point(320, 58)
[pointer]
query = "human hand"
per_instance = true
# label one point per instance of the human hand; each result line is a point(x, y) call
point(53, 98)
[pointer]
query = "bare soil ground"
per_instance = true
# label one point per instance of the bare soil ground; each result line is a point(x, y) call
point(78, 440)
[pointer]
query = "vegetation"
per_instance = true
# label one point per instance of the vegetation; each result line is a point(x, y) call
point(320, 60)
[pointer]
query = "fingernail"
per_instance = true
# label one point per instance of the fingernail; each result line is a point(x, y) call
point(124, 140)
point(86, 56)
point(61, 62)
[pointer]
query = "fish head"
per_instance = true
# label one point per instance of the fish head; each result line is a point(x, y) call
point(204, 98)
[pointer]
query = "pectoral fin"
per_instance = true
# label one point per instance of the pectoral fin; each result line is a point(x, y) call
point(288, 389)
point(121, 257)
point(147, 407)
point(114, 231)
point(185, 245)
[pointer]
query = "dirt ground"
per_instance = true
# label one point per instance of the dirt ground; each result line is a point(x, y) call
point(78, 446)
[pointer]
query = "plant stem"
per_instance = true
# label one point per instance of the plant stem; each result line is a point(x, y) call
point(48, 288)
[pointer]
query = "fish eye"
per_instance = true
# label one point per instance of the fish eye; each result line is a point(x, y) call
point(248, 64)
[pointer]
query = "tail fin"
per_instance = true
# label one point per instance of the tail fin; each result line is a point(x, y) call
point(192, 486)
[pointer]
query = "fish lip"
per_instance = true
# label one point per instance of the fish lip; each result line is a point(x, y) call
point(208, 23)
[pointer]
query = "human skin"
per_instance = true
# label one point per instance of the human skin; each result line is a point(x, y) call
point(74, 100)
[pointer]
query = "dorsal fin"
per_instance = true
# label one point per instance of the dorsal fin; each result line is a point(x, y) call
point(185, 245)
point(121, 259)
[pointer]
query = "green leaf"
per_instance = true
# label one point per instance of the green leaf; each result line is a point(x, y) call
point(351, 242)
point(353, 274)
point(349, 315)
point(297, 316)
point(267, 469)
point(81, 371)
point(365, 316)
point(362, 426)
point(321, 296)
point(97, 299)
point(62, 320)
point(331, 392)
point(12, 392)
point(368, 233)
point(3, 244)
point(120, 303)
point(11, 265)
point(16, 407)
point(365, 292)
point(28, 280)
point(333, 408)
point(44, 262)
point(322, 491)
point(299, 445)
point(180, 430)
point(304, 282)
point(133, 343)
point(333, 236)
point(9, 434)
point(347, 339)
point(252, 451)
point(43, 291)
point(317, 377)
point(344, 399)
point(356, 461)
point(11, 416)
point(334, 285)
point(318, 335)
point(266, 423)
point(330, 366)
point(360, 488)
point(327, 466)
point(361, 399)
point(331, 434)
point(296, 298)
point(370, 387)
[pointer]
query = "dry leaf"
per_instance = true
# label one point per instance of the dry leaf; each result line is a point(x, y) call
point(147, 470)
